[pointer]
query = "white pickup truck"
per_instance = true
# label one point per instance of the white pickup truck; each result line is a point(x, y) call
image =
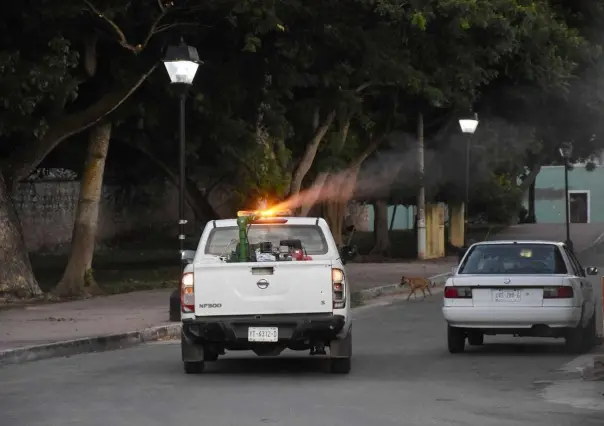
point(279, 300)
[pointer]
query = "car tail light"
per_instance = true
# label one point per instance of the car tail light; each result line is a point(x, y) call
point(560, 292)
point(458, 293)
point(187, 293)
point(339, 288)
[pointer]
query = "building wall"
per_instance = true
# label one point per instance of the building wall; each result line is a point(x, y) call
point(549, 192)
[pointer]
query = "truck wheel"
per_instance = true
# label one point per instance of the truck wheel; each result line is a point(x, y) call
point(209, 354)
point(175, 306)
point(574, 340)
point(341, 365)
point(456, 339)
point(476, 339)
point(194, 367)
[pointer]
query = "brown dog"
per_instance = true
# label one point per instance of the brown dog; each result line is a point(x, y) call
point(416, 283)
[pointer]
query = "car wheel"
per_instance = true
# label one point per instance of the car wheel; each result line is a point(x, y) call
point(590, 337)
point(341, 365)
point(476, 339)
point(456, 339)
point(175, 306)
point(194, 367)
point(574, 340)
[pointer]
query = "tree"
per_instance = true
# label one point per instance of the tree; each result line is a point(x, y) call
point(78, 278)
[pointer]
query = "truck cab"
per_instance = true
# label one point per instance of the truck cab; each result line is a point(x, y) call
point(266, 285)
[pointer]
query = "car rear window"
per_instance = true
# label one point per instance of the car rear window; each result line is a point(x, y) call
point(507, 259)
point(224, 240)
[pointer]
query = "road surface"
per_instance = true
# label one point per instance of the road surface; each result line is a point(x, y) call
point(402, 375)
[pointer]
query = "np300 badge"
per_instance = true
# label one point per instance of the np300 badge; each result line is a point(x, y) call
point(210, 305)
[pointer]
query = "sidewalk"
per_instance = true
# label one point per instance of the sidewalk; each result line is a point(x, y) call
point(126, 313)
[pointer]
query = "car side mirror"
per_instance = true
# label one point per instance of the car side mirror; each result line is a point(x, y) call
point(187, 256)
point(347, 253)
point(454, 270)
point(591, 270)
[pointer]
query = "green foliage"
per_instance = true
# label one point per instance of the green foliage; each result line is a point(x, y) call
point(498, 198)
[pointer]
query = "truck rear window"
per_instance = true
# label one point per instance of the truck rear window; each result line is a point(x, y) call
point(221, 241)
point(507, 259)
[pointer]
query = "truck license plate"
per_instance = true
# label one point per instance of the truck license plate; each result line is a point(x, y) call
point(263, 334)
point(508, 296)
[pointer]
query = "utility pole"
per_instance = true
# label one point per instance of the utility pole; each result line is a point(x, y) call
point(421, 196)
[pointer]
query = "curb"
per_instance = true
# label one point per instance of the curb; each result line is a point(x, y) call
point(88, 345)
point(134, 338)
point(594, 372)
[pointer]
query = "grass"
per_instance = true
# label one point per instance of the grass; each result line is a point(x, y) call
point(116, 271)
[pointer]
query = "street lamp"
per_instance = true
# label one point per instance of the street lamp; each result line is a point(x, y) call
point(565, 152)
point(468, 126)
point(182, 62)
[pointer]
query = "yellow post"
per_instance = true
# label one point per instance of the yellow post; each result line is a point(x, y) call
point(456, 224)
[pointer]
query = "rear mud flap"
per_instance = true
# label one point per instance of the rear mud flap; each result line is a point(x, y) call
point(190, 351)
point(341, 348)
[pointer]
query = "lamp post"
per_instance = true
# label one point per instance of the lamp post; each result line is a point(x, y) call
point(565, 152)
point(181, 63)
point(468, 126)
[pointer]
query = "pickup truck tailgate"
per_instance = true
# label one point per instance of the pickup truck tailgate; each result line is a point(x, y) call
point(263, 288)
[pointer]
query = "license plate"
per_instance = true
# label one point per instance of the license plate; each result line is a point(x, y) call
point(263, 334)
point(508, 296)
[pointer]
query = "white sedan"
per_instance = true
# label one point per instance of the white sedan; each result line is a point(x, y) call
point(520, 288)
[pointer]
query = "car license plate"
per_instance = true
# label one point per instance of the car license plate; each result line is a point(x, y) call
point(508, 296)
point(263, 334)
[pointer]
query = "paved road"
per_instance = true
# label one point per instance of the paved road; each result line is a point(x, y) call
point(402, 375)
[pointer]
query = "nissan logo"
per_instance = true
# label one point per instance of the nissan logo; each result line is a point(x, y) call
point(506, 281)
point(262, 284)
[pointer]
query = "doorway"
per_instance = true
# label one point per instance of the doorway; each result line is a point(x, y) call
point(579, 204)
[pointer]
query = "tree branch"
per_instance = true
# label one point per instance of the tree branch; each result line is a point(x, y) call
point(25, 160)
point(122, 39)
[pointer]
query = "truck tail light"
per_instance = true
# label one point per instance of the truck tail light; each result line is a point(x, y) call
point(187, 293)
point(458, 293)
point(339, 288)
point(559, 292)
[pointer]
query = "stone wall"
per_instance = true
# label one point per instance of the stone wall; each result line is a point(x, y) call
point(47, 212)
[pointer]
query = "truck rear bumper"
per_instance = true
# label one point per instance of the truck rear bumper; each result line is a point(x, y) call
point(231, 332)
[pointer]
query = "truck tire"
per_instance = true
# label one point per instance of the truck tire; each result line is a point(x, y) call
point(175, 306)
point(456, 339)
point(194, 367)
point(476, 339)
point(341, 365)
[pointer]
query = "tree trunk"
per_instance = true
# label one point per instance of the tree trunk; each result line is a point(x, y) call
point(531, 217)
point(334, 212)
point(380, 229)
point(16, 276)
point(309, 154)
point(78, 279)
